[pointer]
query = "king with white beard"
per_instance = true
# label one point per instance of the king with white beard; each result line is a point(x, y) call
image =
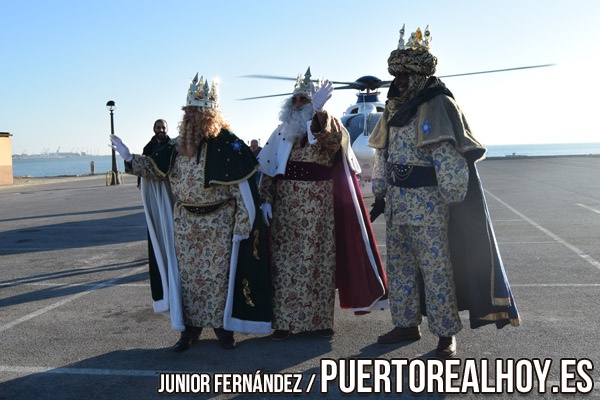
point(299, 188)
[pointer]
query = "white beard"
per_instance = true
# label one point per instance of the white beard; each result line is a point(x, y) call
point(295, 119)
point(274, 155)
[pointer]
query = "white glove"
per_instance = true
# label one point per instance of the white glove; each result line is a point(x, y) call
point(320, 97)
point(239, 238)
point(267, 212)
point(117, 144)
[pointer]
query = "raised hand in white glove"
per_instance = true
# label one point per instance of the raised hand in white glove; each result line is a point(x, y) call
point(117, 144)
point(239, 238)
point(267, 212)
point(320, 96)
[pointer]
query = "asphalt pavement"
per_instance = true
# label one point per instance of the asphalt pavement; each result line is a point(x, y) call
point(76, 317)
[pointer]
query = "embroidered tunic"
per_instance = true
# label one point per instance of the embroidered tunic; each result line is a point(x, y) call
point(303, 238)
point(205, 218)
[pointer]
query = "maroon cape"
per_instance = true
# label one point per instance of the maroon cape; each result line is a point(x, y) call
point(360, 277)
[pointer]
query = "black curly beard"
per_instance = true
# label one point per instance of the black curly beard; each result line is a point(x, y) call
point(415, 85)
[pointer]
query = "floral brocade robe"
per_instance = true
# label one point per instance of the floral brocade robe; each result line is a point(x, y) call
point(203, 242)
point(303, 240)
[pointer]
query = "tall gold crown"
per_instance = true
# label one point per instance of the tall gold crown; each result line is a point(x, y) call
point(417, 40)
point(302, 85)
point(201, 95)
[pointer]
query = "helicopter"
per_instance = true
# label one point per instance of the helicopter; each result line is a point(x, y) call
point(361, 118)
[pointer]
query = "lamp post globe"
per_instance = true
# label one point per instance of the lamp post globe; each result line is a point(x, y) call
point(114, 180)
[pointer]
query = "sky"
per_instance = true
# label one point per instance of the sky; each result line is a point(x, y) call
point(62, 61)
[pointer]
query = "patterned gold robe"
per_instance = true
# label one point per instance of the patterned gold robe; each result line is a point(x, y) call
point(303, 239)
point(205, 219)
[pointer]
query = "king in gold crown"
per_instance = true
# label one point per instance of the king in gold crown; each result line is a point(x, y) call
point(200, 95)
point(302, 86)
point(417, 40)
point(414, 56)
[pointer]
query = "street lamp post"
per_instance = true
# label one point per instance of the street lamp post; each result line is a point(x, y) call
point(114, 180)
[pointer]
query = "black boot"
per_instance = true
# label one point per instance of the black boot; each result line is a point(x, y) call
point(398, 335)
point(189, 336)
point(446, 347)
point(225, 337)
point(325, 333)
point(280, 335)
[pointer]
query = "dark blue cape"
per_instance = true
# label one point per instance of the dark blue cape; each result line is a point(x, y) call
point(479, 275)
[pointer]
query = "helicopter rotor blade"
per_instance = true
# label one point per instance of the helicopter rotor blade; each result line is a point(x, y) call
point(345, 87)
point(364, 86)
point(264, 97)
point(372, 83)
point(342, 83)
point(285, 78)
point(497, 70)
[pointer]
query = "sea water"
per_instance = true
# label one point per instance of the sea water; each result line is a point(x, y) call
point(75, 166)
point(38, 167)
point(546, 149)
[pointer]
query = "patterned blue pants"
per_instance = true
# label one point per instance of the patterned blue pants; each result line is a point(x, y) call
point(421, 250)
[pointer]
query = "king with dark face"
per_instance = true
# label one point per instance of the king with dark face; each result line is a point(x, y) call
point(424, 161)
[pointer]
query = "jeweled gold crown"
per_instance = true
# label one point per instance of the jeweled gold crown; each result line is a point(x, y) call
point(417, 40)
point(201, 95)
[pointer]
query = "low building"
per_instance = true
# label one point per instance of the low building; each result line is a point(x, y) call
point(6, 165)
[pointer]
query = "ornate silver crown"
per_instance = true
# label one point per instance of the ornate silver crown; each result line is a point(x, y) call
point(201, 95)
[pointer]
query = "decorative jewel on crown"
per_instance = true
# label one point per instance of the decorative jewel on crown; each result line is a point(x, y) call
point(302, 85)
point(201, 95)
point(417, 40)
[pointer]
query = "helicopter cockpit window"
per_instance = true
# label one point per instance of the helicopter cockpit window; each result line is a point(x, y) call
point(355, 125)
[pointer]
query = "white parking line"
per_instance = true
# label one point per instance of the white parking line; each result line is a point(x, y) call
point(557, 238)
point(67, 300)
point(91, 285)
point(524, 242)
point(555, 285)
point(588, 208)
point(77, 371)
